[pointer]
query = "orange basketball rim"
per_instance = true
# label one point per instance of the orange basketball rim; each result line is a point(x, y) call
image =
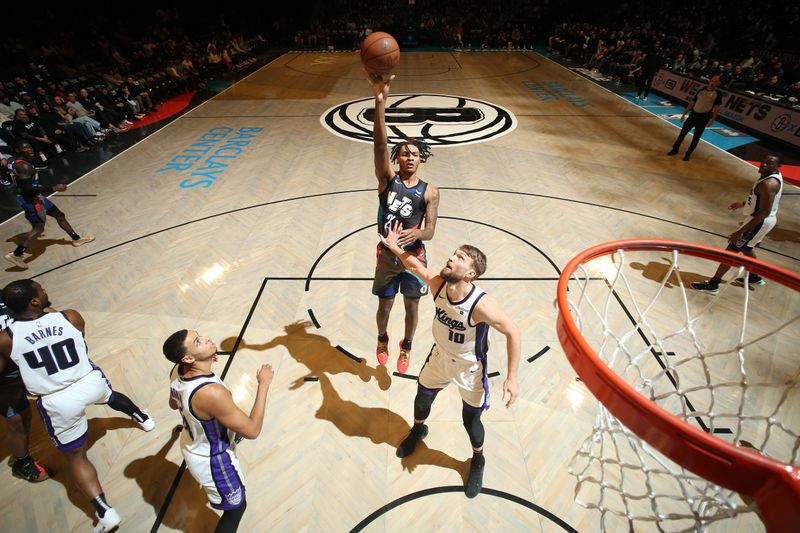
point(772, 484)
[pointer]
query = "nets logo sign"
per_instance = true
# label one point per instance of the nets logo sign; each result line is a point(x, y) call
point(439, 119)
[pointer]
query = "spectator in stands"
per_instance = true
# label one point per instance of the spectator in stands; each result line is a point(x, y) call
point(214, 58)
point(695, 64)
point(8, 106)
point(189, 72)
point(141, 94)
point(110, 102)
point(108, 118)
point(132, 106)
point(174, 70)
point(679, 63)
point(772, 88)
point(705, 69)
point(748, 61)
point(69, 117)
point(77, 110)
point(26, 130)
point(40, 95)
point(113, 78)
point(226, 59)
point(71, 136)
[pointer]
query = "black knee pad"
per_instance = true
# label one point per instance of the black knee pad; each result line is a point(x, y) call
point(423, 401)
point(472, 423)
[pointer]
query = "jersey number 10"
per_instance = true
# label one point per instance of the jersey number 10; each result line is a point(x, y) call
point(455, 337)
point(58, 356)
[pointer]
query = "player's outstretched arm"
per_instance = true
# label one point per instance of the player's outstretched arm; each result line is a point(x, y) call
point(490, 312)
point(413, 264)
point(216, 401)
point(380, 141)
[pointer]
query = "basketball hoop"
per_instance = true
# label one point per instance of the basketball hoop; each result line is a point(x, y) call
point(691, 402)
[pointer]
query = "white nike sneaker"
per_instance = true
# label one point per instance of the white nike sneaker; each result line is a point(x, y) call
point(109, 521)
point(148, 424)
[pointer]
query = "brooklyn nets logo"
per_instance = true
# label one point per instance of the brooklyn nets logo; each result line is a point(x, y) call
point(439, 119)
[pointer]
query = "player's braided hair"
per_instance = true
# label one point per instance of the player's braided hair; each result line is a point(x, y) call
point(422, 146)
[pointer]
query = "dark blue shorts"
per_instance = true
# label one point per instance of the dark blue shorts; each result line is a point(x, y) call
point(36, 212)
point(13, 399)
point(392, 277)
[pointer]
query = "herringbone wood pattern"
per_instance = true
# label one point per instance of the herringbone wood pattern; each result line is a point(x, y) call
point(168, 257)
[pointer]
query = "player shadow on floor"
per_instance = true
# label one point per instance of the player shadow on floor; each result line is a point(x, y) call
point(656, 271)
point(38, 246)
point(381, 426)
point(42, 448)
point(779, 234)
point(188, 510)
point(316, 353)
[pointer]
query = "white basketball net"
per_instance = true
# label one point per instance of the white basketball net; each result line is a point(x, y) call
point(734, 379)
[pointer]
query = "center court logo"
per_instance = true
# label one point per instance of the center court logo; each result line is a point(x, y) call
point(439, 119)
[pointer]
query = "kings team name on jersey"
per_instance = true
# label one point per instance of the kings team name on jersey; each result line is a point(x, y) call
point(441, 316)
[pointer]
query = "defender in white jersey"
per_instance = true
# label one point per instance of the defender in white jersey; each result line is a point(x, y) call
point(212, 421)
point(761, 214)
point(461, 324)
point(53, 361)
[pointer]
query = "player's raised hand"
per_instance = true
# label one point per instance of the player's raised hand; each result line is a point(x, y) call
point(380, 85)
point(392, 235)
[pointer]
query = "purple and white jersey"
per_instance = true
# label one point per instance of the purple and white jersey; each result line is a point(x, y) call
point(50, 353)
point(453, 330)
point(202, 437)
point(753, 203)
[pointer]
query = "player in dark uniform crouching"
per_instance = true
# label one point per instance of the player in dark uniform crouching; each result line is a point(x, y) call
point(15, 409)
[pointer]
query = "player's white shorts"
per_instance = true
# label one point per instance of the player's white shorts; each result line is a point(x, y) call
point(221, 477)
point(753, 237)
point(442, 369)
point(64, 412)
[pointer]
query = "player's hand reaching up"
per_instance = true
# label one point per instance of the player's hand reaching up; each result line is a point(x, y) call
point(392, 238)
point(380, 86)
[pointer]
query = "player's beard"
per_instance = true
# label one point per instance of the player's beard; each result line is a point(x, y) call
point(449, 276)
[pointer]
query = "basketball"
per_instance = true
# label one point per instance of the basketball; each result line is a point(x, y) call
point(380, 53)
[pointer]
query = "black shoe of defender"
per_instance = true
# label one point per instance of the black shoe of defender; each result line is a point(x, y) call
point(29, 470)
point(706, 286)
point(475, 479)
point(408, 445)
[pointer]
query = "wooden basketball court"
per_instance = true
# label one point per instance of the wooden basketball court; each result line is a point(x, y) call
point(251, 222)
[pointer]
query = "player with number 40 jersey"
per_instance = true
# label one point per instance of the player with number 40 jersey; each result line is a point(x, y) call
point(50, 353)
